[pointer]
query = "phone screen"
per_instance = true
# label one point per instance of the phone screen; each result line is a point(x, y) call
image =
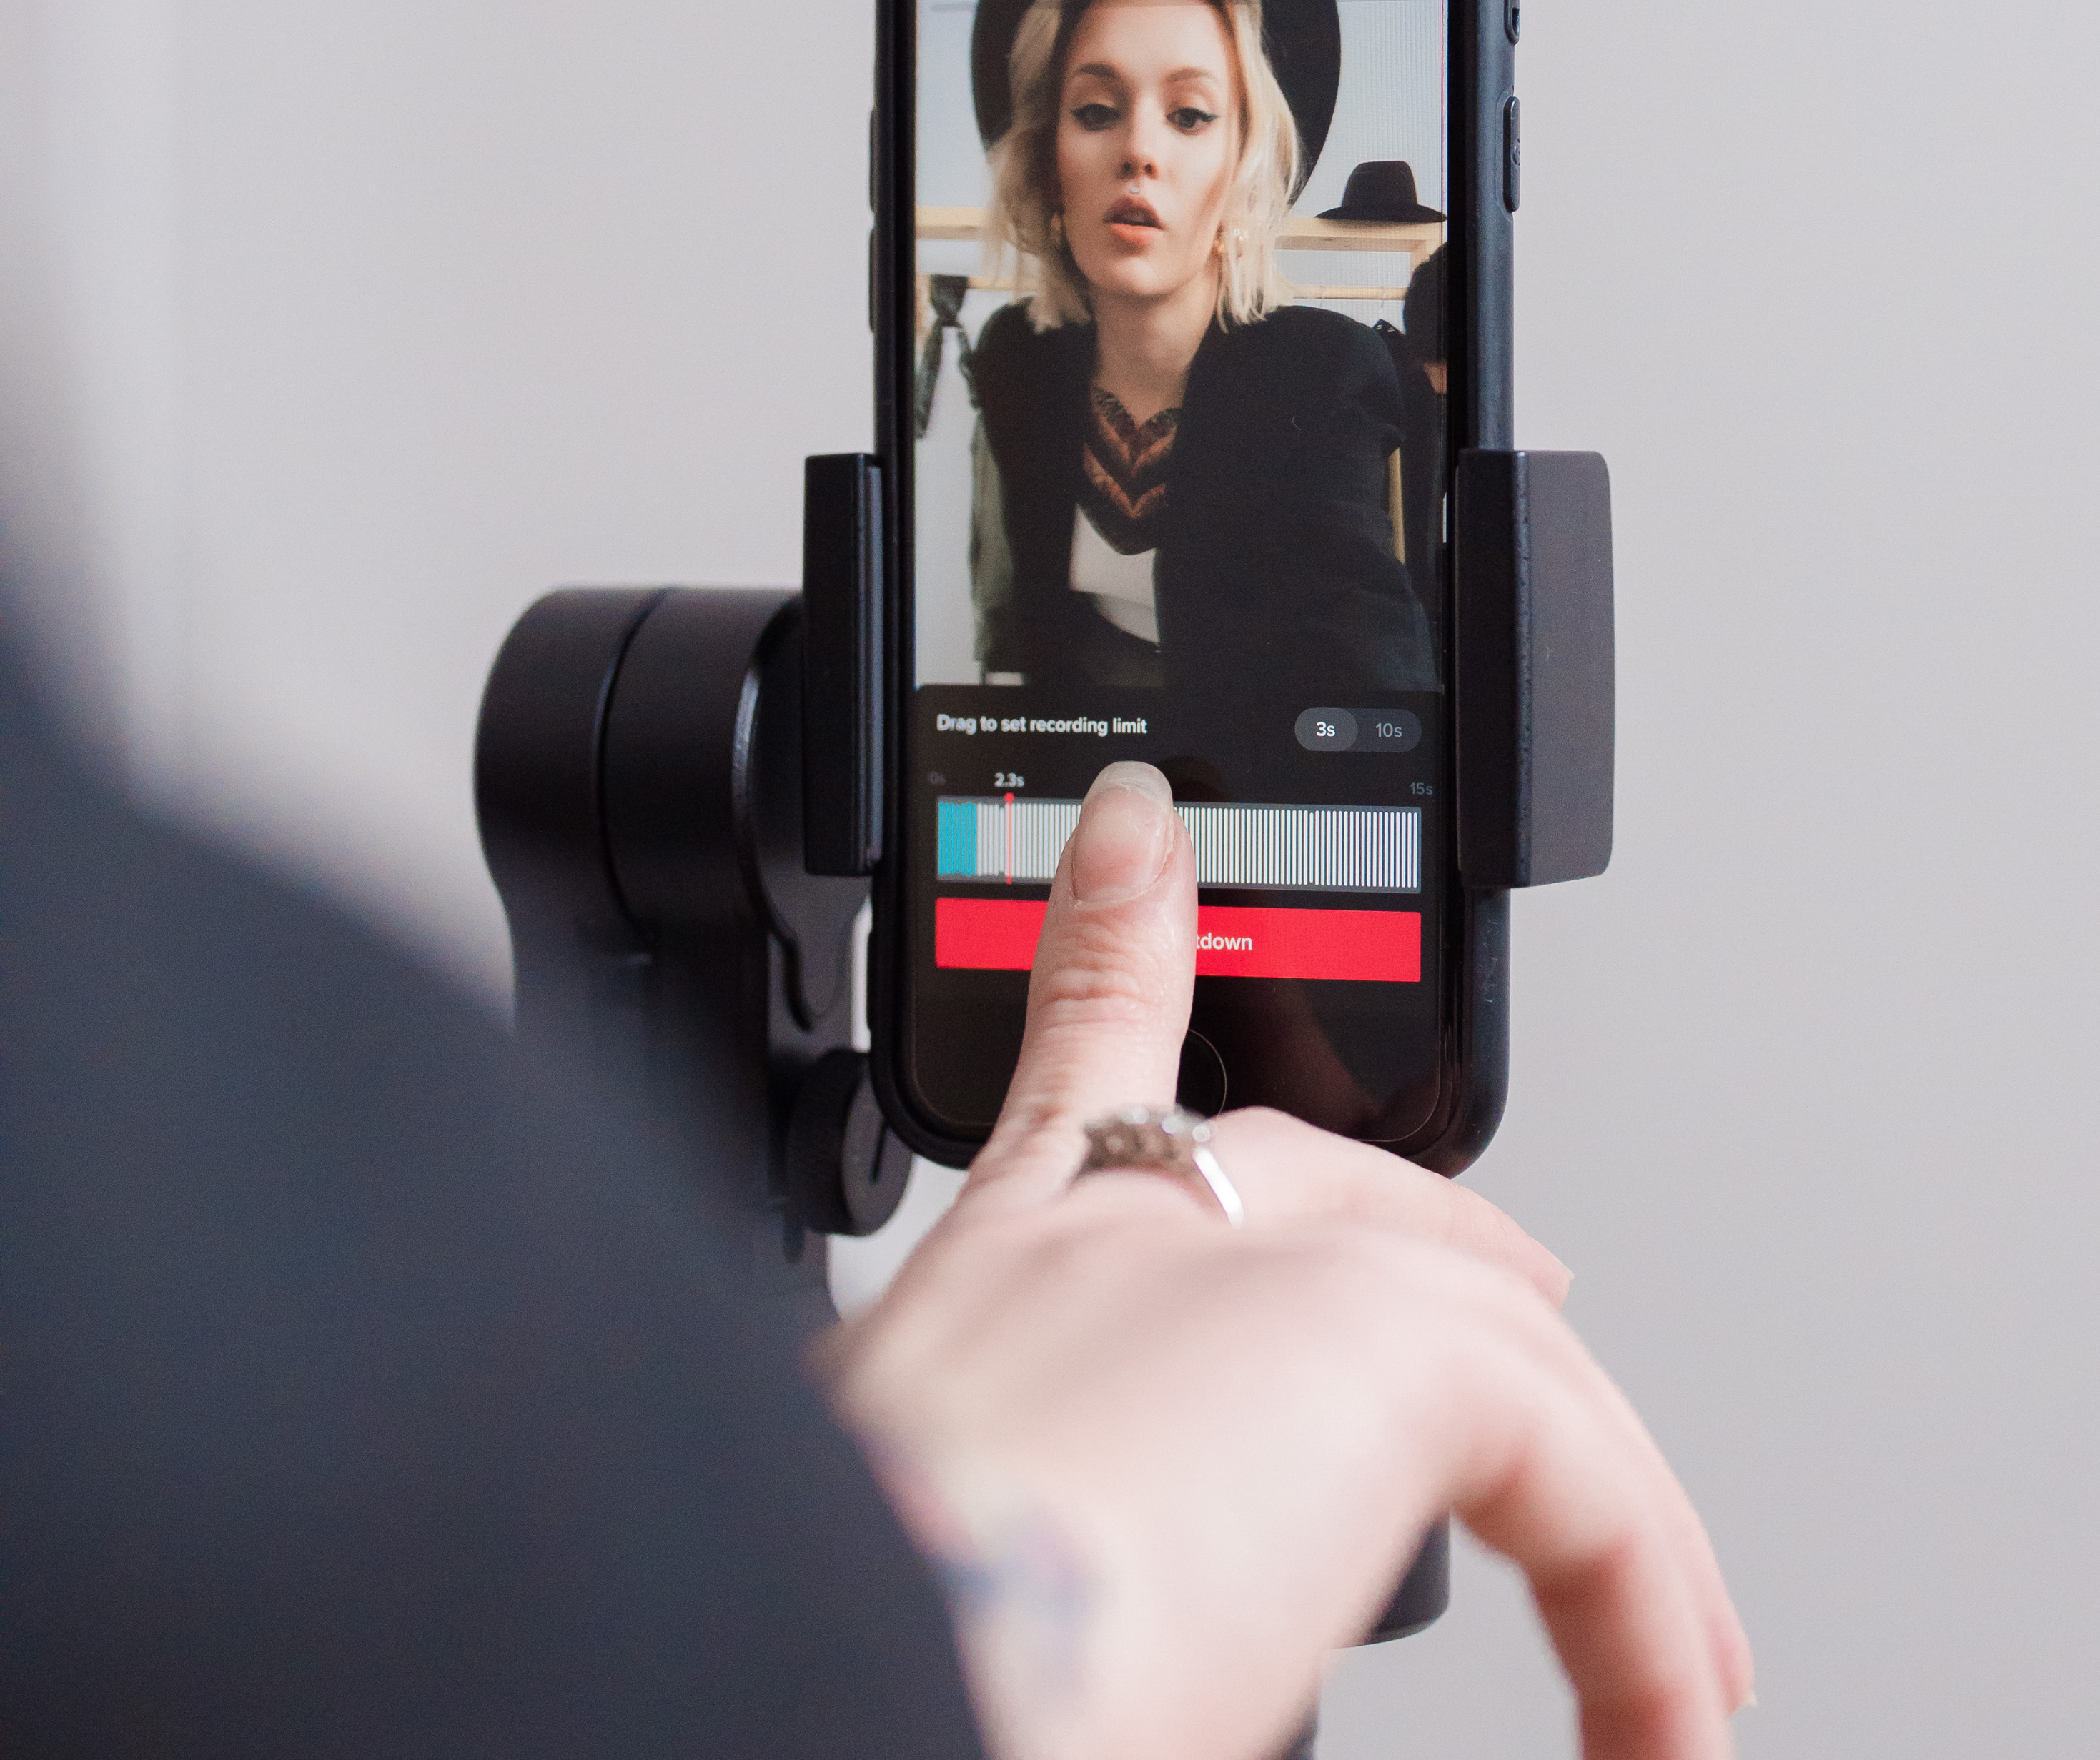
point(1177, 493)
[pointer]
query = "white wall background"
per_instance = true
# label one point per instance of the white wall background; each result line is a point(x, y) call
point(332, 334)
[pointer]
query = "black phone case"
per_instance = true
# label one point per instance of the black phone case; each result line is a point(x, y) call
point(1473, 1014)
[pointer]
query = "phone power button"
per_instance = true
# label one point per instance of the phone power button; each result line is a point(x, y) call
point(1512, 154)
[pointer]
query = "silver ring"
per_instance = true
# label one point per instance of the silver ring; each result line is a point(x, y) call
point(1145, 1139)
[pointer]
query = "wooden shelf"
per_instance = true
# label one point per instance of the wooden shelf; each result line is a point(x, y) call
point(1380, 296)
point(965, 224)
point(1415, 240)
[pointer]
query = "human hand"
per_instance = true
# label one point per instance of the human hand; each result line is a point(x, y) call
point(1166, 1466)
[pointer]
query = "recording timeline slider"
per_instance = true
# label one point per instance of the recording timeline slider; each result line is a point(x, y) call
point(1018, 839)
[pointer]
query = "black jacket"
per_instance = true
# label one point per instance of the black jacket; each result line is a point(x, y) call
point(1276, 564)
point(369, 1393)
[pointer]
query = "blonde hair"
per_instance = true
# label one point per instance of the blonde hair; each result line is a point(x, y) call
point(1024, 221)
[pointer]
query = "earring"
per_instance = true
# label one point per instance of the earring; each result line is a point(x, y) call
point(1057, 230)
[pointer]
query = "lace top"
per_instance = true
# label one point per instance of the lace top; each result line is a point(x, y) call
point(1126, 473)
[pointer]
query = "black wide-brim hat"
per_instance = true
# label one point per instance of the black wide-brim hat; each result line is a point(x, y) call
point(1304, 40)
point(1381, 189)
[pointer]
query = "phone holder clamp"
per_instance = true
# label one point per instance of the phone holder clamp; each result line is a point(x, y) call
point(661, 846)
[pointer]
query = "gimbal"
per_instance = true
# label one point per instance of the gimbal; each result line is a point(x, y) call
point(680, 793)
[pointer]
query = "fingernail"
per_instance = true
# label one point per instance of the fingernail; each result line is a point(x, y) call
point(1749, 1701)
point(1124, 834)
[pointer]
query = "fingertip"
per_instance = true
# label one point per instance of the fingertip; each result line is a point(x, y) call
point(1124, 836)
point(1134, 774)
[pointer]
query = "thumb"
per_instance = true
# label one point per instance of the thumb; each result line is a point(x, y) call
point(1108, 1003)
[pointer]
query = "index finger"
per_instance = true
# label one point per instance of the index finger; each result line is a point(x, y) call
point(1107, 1001)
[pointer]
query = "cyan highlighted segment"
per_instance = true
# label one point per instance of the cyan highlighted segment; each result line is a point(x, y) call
point(958, 838)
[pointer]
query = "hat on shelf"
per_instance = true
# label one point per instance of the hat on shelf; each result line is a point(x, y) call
point(1381, 189)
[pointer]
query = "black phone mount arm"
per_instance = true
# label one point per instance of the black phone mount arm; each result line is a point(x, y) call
point(639, 781)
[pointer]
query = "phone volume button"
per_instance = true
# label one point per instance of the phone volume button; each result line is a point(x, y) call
point(1512, 153)
point(870, 278)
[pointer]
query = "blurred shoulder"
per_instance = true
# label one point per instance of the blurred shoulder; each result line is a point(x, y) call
point(1013, 361)
point(1010, 340)
point(1006, 330)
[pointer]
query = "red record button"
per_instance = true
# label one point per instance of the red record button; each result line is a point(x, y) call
point(1232, 940)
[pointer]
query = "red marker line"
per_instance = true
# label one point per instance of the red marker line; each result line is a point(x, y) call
point(1009, 840)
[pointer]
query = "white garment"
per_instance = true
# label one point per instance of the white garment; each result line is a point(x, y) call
point(1120, 586)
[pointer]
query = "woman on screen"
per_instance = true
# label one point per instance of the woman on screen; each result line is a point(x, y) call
point(1190, 475)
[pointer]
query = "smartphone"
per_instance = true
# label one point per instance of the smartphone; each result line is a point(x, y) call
point(1184, 311)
